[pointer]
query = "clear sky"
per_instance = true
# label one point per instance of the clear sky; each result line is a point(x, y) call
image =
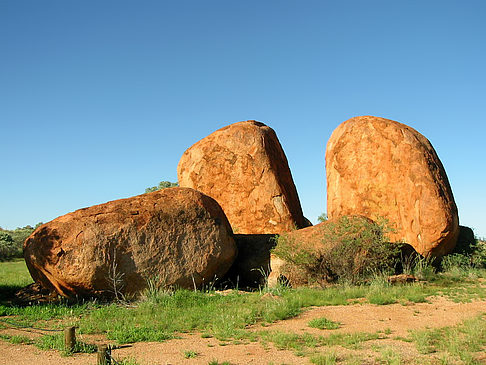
point(99, 99)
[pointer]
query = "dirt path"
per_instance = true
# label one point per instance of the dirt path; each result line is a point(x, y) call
point(397, 318)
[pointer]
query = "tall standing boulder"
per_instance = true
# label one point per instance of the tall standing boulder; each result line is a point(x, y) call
point(381, 168)
point(174, 237)
point(244, 168)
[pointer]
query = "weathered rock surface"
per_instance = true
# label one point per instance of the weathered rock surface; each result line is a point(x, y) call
point(381, 168)
point(243, 167)
point(175, 236)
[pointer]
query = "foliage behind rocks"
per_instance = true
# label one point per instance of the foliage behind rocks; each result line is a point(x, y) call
point(469, 253)
point(162, 185)
point(11, 241)
point(7, 246)
point(349, 249)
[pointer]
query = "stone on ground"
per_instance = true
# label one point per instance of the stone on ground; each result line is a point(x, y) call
point(173, 237)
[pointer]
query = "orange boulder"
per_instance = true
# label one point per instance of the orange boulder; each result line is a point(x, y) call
point(381, 168)
point(172, 237)
point(244, 168)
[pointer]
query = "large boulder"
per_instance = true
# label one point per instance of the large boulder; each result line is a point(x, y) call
point(172, 237)
point(381, 168)
point(244, 168)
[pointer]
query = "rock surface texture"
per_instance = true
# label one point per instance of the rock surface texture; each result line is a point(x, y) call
point(243, 167)
point(175, 236)
point(381, 168)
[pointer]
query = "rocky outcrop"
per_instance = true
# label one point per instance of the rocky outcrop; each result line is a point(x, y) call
point(172, 237)
point(381, 168)
point(243, 167)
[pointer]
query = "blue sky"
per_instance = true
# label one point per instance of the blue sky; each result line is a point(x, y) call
point(99, 99)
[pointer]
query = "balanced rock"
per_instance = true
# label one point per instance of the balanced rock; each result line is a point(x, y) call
point(381, 168)
point(172, 237)
point(244, 168)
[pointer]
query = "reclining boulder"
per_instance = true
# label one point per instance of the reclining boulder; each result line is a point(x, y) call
point(172, 237)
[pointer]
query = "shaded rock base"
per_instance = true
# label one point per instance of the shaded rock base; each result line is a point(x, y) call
point(252, 264)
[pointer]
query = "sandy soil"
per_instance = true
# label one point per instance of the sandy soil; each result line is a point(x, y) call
point(397, 318)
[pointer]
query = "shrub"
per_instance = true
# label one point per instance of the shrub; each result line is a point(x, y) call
point(7, 246)
point(351, 249)
point(469, 253)
point(322, 217)
point(162, 185)
point(478, 256)
point(323, 324)
point(11, 242)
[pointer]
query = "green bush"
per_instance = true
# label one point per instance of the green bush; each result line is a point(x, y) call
point(478, 256)
point(162, 185)
point(7, 246)
point(351, 249)
point(469, 253)
point(12, 241)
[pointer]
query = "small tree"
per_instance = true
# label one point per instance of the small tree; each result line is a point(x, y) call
point(162, 185)
point(322, 217)
point(12, 241)
point(7, 246)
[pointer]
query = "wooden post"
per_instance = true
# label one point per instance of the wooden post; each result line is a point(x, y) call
point(104, 357)
point(70, 338)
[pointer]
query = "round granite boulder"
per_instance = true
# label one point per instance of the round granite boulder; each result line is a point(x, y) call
point(380, 168)
point(172, 237)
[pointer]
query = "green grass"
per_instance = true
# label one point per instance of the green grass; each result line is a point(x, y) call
point(190, 354)
point(56, 342)
point(389, 356)
point(13, 276)
point(184, 311)
point(127, 361)
point(301, 342)
point(163, 315)
point(323, 324)
point(328, 358)
point(462, 342)
point(16, 339)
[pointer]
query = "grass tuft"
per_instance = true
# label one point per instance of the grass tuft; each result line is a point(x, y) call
point(190, 354)
point(460, 342)
point(323, 324)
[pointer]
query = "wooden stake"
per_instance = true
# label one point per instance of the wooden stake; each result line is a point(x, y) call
point(103, 355)
point(70, 338)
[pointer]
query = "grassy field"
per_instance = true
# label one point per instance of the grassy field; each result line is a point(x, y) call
point(13, 276)
point(164, 315)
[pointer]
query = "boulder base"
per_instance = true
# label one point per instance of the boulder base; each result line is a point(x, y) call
point(252, 264)
point(172, 237)
point(380, 168)
point(243, 167)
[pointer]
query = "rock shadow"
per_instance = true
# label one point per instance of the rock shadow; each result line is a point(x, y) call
point(251, 267)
